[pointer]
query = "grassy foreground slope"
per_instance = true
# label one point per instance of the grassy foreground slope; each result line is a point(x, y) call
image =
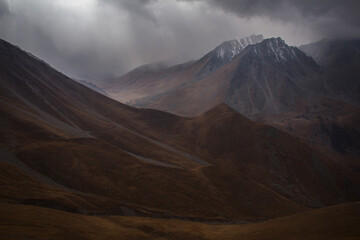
point(31, 222)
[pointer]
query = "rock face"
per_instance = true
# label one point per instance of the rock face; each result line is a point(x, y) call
point(226, 52)
point(272, 78)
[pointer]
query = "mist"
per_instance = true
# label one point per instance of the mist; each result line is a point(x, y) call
point(100, 39)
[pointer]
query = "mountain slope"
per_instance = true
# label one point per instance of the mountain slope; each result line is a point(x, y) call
point(118, 159)
point(269, 82)
point(156, 79)
point(336, 222)
point(272, 77)
point(267, 77)
point(340, 60)
point(226, 52)
point(92, 86)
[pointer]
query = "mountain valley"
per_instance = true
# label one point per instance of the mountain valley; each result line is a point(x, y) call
point(246, 134)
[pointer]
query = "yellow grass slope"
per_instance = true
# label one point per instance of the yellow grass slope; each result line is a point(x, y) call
point(30, 222)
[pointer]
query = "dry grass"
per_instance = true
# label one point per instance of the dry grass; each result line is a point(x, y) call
point(29, 222)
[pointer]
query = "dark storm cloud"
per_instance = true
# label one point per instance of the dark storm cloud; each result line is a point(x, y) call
point(136, 7)
point(4, 7)
point(97, 39)
point(82, 38)
point(331, 18)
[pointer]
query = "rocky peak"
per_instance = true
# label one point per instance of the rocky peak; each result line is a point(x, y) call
point(229, 49)
point(277, 49)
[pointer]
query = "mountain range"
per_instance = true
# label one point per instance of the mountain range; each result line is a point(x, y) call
point(265, 80)
point(70, 152)
point(252, 80)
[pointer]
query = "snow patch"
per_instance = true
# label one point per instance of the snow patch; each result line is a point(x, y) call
point(230, 49)
point(280, 51)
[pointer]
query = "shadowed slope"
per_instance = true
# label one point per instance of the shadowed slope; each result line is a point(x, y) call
point(337, 222)
point(269, 82)
point(219, 165)
point(340, 60)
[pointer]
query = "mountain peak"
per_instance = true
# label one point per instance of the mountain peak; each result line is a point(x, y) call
point(252, 39)
point(226, 52)
point(276, 48)
point(229, 49)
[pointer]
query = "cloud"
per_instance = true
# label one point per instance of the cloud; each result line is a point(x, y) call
point(97, 39)
point(138, 8)
point(329, 18)
point(4, 8)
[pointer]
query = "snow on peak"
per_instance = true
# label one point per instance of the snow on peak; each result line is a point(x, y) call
point(277, 48)
point(229, 49)
point(253, 39)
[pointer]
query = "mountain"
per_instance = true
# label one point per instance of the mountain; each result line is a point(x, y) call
point(269, 82)
point(153, 79)
point(333, 53)
point(67, 147)
point(340, 60)
point(224, 53)
point(92, 86)
point(265, 77)
point(272, 77)
point(289, 91)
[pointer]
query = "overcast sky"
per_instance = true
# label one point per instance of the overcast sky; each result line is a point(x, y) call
point(96, 39)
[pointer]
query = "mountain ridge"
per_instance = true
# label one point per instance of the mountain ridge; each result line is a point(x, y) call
point(269, 82)
point(217, 86)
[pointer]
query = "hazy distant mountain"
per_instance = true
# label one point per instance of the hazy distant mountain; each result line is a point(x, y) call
point(156, 66)
point(340, 60)
point(333, 53)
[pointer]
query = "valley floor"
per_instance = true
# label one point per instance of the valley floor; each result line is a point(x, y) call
point(31, 222)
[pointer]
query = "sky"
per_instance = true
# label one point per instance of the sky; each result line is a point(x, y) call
point(101, 39)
